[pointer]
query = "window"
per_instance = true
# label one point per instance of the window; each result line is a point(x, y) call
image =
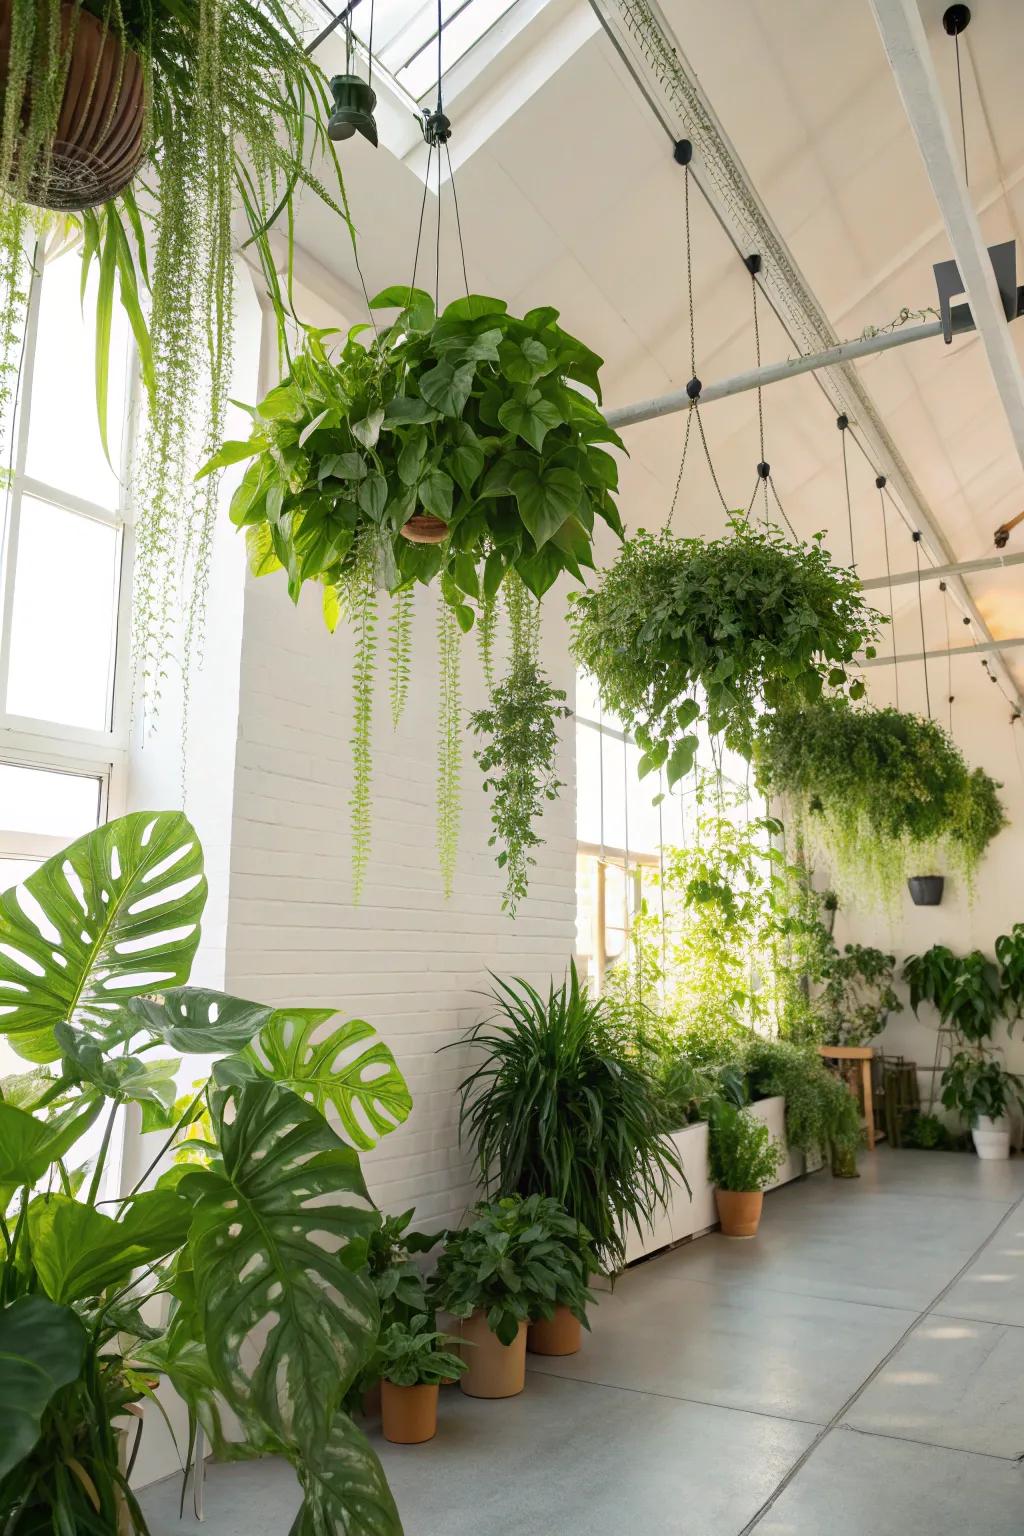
point(621, 832)
point(62, 579)
point(405, 35)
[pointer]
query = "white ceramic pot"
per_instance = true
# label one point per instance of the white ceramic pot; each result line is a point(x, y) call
point(991, 1138)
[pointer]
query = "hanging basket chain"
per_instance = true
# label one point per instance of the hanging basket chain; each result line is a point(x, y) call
point(949, 658)
point(762, 473)
point(842, 422)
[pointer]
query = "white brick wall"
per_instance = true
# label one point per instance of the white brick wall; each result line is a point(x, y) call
point(405, 959)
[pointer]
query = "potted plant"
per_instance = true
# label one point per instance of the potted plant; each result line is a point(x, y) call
point(680, 627)
point(497, 1273)
point(822, 1115)
point(412, 1363)
point(744, 1159)
point(401, 1289)
point(157, 123)
point(982, 1090)
point(233, 1232)
point(454, 449)
point(878, 792)
point(559, 1106)
point(858, 996)
point(557, 1323)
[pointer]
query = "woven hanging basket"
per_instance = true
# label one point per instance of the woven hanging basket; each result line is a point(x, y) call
point(98, 145)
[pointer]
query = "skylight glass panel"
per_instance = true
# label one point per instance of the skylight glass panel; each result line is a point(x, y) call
point(405, 35)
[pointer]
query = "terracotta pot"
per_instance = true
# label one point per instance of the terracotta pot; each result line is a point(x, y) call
point(371, 1404)
point(559, 1335)
point(425, 528)
point(98, 146)
point(408, 1414)
point(494, 1369)
point(739, 1211)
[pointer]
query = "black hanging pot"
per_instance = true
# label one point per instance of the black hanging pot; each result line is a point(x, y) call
point(926, 890)
point(354, 102)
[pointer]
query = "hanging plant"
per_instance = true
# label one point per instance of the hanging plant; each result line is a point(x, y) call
point(520, 728)
point(459, 448)
point(878, 793)
point(677, 628)
point(202, 107)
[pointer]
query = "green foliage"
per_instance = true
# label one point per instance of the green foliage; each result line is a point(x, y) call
point(977, 1084)
point(858, 995)
point(1009, 949)
point(266, 1316)
point(449, 744)
point(738, 621)
point(472, 416)
point(516, 1261)
point(396, 1277)
point(412, 1355)
point(965, 990)
point(927, 1132)
point(742, 1153)
point(821, 1113)
point(400, 652)
point(518, 763)
point(879, 793)
point(560, 1106)
point(234, 109)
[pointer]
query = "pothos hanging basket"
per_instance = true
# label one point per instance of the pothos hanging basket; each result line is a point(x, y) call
point(98, 143)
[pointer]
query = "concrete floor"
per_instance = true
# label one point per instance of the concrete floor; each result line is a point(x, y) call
point(855, 1370)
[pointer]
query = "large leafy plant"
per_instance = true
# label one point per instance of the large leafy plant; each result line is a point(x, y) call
point(881, 794)
point(858, 995)
point(515, 1261)
point(467, 427)
point(233, 113)
point(976, 1084)
point(253, 1242)
point(680, 628)
point(559, 1106)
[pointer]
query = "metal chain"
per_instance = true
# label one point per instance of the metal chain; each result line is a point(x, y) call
point(920, 610)
point(760, 396)
point(843, 423)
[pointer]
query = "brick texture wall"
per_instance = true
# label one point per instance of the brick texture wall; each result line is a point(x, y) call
point(410, 962)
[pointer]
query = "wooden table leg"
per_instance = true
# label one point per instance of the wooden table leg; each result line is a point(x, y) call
point(869, 1102)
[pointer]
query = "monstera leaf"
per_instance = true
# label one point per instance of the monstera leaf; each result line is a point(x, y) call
point(78, 1252)
point(337, 1071)
point(198, 1020)
point(346, 1492)
point(115, 915)
point(41, 1350)
point(286, 1322)
point(29, 1147)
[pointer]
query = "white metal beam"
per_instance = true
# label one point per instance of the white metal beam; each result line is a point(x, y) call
point(984, 647)
point(941, 572)
point(903, 36)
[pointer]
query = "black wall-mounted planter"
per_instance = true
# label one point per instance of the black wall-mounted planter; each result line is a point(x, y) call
point(926, 890)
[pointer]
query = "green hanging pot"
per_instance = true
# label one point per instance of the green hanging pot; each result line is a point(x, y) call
point(354, 102)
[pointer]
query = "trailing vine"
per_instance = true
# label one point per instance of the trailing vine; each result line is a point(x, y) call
point(518, 763)
point(879, 793)
point(486, 626)
point(449, 744)
point(361, 601)
point(399, 652)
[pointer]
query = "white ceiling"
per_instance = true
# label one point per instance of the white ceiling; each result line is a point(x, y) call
point(574, 200)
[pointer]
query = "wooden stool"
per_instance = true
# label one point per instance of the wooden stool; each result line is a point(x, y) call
point(864, 1054)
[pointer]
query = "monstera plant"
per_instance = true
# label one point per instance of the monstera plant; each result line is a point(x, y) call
point(453, 448)
point(240, 1275)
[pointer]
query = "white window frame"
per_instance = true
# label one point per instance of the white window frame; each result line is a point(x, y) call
point(45, 744)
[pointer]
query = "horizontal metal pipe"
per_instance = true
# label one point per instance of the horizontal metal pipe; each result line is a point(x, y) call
point(770, 373)
point(937, 572)
point(954, 650)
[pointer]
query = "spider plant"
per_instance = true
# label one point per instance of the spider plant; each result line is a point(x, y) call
point(559, 1107)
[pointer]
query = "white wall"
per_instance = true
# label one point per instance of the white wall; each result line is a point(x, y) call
point(410, 962)
point(982, 730)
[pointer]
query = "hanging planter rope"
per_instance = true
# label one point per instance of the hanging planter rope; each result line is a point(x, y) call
point(97, 144)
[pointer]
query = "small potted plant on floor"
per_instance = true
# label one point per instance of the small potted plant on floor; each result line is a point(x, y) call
point(557, 1327)
point(983, 1091)
point(413, 1362)
point(494, 1275)
point(744, 1160)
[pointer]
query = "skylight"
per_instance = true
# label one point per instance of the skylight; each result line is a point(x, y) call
point(405, 35)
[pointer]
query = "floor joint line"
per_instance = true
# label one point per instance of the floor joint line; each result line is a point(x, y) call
point(855, 1396)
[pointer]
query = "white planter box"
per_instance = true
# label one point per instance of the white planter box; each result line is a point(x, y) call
point(688, 1215)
